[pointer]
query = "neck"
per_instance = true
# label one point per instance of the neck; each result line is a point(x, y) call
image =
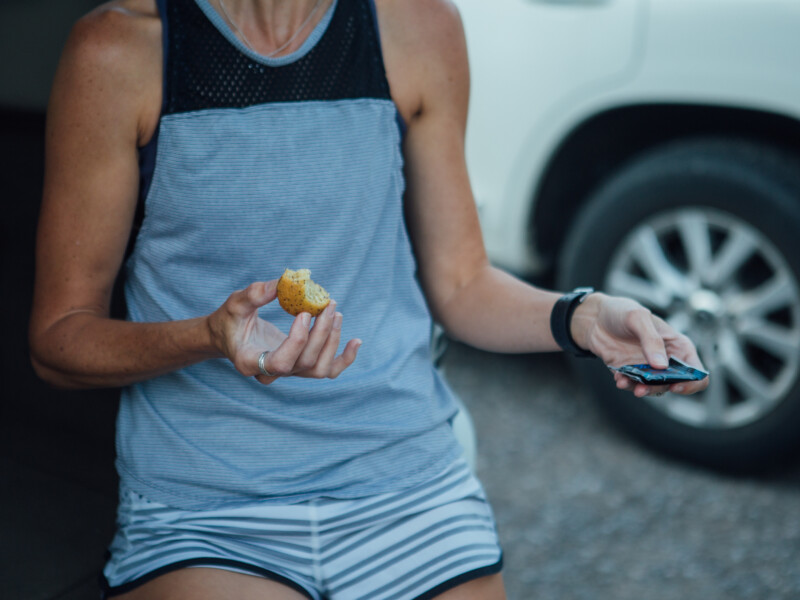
point(268, 25)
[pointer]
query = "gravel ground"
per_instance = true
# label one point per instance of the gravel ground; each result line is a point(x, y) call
point(585, 513)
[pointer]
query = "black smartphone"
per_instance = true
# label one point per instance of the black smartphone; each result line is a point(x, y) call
point(676, 372)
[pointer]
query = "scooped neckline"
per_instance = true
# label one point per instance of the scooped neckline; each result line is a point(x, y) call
point(224, 28)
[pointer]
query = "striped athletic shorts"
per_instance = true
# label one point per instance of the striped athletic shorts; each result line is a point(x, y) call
point(413, 544)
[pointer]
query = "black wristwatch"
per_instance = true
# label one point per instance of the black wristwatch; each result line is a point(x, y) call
point(561, 318)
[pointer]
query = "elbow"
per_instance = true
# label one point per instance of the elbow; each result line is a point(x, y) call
point(34, 354)
point(44, 369)
point(50, 376)
point(447, 299)
point(38, 363)
point(56, 362)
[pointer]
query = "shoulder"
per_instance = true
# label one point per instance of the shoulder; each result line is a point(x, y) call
point(124, 29)
point(431, 22)
point(432, 28)
point(113, 54)
point(424, 49)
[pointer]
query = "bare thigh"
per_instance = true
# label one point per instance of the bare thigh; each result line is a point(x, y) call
point(200, 583)
point(484, 588)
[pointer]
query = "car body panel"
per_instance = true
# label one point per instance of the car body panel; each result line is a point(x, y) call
point(730, 53)
point(538, 77)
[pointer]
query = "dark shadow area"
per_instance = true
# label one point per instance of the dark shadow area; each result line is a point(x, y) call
point(56, 447)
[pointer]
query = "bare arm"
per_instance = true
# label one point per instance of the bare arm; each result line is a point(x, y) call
point(95, 122)
point(475, 302)
point(104, 105)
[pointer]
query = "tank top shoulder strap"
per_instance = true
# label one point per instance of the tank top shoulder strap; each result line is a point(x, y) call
point(162, 11)
point(147, 153)
point(401, 124)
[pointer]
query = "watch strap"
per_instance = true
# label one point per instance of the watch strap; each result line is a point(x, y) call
point(561, 320)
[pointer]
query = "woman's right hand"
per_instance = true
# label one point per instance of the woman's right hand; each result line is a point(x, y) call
point(242, 336)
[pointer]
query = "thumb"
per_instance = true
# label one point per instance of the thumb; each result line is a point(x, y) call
point(255, 296)
point(270, 290)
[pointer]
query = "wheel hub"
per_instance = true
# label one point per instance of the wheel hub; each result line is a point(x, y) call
point(706, 309)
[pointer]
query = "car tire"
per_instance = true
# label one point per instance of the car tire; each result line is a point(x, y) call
point(705, 233)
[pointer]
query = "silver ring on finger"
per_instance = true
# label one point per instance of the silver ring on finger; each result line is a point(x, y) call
point(261, 367)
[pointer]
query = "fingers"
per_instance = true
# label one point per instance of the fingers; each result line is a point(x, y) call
point(680, 346)
point(311, 353)
point(642, 324)
point(324, 362)
point(624, 383)
point(283, 360)
point(691, 387)
point(641, 390)
point(321, 337)
point(346, 358)
point(266, 379)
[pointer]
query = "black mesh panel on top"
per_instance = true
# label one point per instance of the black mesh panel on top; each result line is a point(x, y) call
point(205, 70)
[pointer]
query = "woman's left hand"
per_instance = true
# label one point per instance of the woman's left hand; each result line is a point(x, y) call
point(620, 332)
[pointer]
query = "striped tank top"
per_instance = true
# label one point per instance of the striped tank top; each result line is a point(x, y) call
point(260, 164)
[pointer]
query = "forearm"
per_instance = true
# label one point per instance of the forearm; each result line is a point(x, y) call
point(85, 350)
point(497, 312)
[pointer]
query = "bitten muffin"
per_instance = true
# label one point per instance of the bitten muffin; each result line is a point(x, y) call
point(297, 293)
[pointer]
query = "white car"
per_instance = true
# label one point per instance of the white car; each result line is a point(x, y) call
point(651, 148)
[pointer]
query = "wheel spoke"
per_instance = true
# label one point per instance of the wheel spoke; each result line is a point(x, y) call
point(753, 386)
point(645, 292)
point(736, 250)
point(693, 229)
point(778, 292)
point(650, 255)
point(780, 342)
point(715, 399)
point(680, 321)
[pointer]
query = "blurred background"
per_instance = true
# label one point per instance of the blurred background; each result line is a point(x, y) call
point(644, 147)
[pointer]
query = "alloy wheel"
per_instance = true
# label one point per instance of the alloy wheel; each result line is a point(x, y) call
point(723, 283)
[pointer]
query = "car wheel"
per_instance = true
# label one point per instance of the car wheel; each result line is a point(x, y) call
point(706, 234)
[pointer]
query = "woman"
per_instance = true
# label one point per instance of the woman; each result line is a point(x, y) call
point(251, 136)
